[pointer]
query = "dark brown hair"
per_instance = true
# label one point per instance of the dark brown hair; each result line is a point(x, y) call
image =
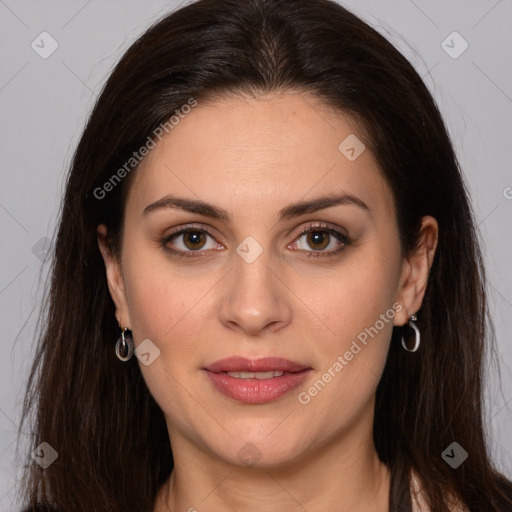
point(97, 412)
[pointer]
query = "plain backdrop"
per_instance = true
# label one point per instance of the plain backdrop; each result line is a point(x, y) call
point(44, 103)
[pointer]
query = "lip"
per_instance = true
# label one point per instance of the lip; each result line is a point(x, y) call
point(256, 391)
point(264, 364)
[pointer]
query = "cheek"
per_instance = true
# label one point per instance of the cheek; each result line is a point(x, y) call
point(168, 306)
point(363, 288)
point(153, 303)
point(161, 306)
point(358, 308)
point(156, 295)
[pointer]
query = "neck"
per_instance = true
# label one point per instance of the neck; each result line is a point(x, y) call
point(343, 475)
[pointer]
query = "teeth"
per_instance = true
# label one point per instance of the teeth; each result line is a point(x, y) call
point(255, 375)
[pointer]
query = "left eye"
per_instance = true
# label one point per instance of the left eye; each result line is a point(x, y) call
point(322, 240)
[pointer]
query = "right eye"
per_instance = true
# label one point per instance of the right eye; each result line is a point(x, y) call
point(189, 240)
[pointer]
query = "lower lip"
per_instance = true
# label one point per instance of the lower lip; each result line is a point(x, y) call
point(256, 391)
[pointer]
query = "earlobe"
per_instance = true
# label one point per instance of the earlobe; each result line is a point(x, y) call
point(114, 277)
point(416, 270)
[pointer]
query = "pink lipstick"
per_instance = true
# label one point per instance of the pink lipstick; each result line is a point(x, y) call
point(256, 381)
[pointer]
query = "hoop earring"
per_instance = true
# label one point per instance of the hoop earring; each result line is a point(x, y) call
point(412, 319)
point(125, 346)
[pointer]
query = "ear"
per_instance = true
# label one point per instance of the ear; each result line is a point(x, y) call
point(415, 271)
point(114, 278)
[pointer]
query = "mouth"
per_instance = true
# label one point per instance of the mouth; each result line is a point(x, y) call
point(256, 381)
point(254, 375)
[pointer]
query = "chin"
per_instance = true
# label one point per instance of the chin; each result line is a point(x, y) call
point(263, 451)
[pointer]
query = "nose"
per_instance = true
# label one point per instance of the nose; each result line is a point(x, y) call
point(254, 298)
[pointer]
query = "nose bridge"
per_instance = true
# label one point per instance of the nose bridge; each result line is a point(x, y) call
point(254, 297)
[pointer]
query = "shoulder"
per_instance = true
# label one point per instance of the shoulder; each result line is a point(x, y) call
point(419, 503)
point(418, 499)
point(39, 508)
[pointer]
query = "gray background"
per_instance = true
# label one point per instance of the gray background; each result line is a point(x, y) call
point(44, 103)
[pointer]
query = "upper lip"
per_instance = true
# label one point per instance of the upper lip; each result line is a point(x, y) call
point(264, 364)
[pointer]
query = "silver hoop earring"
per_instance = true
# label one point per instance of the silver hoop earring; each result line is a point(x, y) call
point(125, 346)
point(412, 319)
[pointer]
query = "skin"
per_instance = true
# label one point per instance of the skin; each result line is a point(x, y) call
point(253, 157)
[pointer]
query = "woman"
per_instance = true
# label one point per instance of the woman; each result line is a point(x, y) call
point(266, 212)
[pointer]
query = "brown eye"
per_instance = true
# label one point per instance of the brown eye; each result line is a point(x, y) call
point(194, 240)
point(318, 240)
point(190, 241)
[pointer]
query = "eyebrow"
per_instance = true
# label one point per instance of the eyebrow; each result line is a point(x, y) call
point(288, 212)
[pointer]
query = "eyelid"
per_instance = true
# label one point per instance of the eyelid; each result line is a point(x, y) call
point(321, 226)
point(192, 227)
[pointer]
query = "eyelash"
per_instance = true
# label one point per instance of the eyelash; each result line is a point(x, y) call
point(344, 239)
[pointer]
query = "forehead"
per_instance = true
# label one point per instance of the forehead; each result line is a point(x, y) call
point(259, 150)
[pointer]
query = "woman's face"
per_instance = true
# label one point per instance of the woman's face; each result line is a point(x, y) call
point(246, 177)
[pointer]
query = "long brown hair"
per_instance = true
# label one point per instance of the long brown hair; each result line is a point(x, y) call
point(97, 413)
